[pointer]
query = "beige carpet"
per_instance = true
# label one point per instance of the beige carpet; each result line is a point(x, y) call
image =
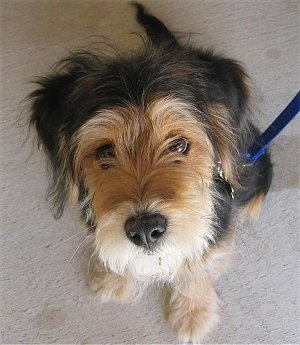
point(43, 298)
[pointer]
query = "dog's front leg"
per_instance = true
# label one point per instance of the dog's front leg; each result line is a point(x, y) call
point(192, 308)
point(111, 287)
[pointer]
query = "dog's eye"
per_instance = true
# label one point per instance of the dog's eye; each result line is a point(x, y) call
point(105, 152)
point(180, 145)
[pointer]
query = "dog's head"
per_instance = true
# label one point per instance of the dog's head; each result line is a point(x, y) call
point(135, 141)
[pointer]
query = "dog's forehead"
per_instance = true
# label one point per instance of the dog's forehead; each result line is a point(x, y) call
point(162, 117)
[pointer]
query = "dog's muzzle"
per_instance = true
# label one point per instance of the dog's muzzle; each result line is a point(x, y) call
point(146, 229)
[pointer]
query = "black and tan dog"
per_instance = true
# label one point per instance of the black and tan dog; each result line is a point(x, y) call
point(150, 148)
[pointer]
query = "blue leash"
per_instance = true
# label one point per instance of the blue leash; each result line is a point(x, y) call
point(259, 148)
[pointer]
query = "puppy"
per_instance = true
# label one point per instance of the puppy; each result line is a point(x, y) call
point(150, 148)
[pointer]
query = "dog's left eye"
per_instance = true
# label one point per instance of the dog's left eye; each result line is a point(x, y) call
point(105, 151)
point(103, 154)
point(180, 145)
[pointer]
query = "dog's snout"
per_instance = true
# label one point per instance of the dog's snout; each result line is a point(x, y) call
point(146, 229)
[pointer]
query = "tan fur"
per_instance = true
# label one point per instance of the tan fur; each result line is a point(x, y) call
point(253, 207)
point(192, 314)
point(221, 123)
point(73, 195)
point(109, 285)
point(193, 306)
point(143, 176)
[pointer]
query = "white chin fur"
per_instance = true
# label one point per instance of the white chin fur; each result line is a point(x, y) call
point(123, 257)
point(127, 259)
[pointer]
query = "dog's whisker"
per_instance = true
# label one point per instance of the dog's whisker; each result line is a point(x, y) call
point(80, 245)
point(89, 262)
point(74, 235)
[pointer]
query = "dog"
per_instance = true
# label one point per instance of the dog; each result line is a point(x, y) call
point(149, 147)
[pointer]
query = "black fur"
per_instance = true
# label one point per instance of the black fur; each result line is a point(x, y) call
point(156, 30)
point(84, 82)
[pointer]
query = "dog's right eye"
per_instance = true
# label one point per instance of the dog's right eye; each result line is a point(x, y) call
point(180, 145)
point(105, 152)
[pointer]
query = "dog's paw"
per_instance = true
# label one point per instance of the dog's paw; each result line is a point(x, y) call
point(110, 287)
point(113, 288)
point(192, 319)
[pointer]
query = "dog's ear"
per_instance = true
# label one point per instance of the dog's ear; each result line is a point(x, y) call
point(229, 86)
point(227, 110)
point(48, 117)
point(156, 30)
point(48, 109)
point(56, 114)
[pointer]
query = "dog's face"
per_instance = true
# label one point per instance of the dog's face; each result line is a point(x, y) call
point(134, 142)
point(148, 171)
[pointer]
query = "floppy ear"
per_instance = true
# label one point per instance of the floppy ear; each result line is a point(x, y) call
point(48, 117)
point(48, 109)
point(231, 80)
point(227, 111)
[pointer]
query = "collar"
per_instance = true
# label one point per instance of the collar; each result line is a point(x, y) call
point(221, 178)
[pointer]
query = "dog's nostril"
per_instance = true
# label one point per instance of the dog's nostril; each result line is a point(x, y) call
point(134, 235)
point(145, 229)
point(154, 235)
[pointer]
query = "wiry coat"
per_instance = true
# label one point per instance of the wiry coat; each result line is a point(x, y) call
point(134, 108)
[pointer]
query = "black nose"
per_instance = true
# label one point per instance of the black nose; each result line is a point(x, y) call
point(146, 229)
